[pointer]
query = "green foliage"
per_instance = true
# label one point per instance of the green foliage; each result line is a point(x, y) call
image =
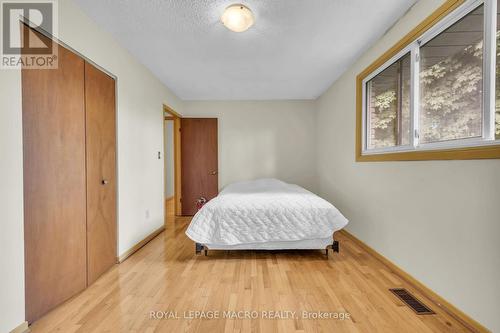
point(385, 103)
point(451, 96)
point(384, 108)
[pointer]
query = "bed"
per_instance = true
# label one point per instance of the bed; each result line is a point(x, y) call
point(266, 214)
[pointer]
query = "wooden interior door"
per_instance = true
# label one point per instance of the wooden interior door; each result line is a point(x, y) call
point(54, 183)
point(101, 172)
point(199, 161)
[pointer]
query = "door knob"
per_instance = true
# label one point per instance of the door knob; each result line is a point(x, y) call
point(104, 182)
point(214, 173)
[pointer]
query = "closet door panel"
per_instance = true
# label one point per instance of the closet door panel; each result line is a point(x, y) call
point(54, 183)
point(101, 171)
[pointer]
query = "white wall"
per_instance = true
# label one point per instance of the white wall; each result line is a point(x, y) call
point(438, 220)
point(169, 158)
point(11, 203)
point(140, 135)
point(262, 139)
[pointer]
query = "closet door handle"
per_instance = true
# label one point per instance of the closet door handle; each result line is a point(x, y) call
point(104, 182)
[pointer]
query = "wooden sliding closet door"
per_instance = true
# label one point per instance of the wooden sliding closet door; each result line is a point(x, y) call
point(54, 183)
point(101, 171)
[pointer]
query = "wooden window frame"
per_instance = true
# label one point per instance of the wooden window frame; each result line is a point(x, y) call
point(487, 151)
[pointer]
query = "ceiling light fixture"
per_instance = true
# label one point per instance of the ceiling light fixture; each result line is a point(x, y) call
point(237, 18)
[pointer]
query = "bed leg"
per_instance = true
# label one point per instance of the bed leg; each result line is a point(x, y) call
point(336, 246)
point(197, 248)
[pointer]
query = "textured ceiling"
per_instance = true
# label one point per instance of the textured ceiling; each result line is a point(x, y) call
point(295, 50)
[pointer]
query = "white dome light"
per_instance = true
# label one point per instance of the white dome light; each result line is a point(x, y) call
point(237, 18)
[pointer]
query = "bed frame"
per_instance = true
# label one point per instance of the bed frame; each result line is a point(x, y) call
point(201, 247)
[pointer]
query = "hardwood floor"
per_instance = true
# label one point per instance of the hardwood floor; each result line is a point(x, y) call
point(166, 275)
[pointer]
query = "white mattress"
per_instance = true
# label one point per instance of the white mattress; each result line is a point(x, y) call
point(252, 214)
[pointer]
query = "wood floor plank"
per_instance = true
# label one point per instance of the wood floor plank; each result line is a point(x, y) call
point(166, 275)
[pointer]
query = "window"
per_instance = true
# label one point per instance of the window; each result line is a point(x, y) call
point(436, 93)
point(451, 82)
point(389, 106)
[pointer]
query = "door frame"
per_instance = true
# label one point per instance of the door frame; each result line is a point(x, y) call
point(170, 114)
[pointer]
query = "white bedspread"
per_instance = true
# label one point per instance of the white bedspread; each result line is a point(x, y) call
point(264, 210)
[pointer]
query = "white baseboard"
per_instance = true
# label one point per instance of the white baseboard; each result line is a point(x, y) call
point(22, 328)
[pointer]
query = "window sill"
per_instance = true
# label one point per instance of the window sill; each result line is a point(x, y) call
point(466, 153)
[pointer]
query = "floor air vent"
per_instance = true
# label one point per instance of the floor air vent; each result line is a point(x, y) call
point(411, 301)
